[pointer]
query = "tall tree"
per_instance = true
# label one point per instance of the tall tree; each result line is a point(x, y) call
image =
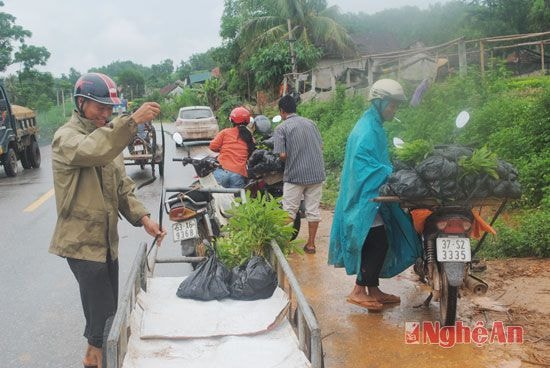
point(308, 21)
point(10, 35)
point(161, 74)
point(30, 56)
point(132, 83)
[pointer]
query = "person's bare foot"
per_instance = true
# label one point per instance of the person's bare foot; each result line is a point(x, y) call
point(93, 357)
point(382, 297)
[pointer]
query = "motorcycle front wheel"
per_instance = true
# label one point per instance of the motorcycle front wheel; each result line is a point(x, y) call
point(448, 301)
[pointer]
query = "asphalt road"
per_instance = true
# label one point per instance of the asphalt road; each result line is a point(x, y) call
point(41, 316)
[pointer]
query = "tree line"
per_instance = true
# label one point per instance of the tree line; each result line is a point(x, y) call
point(264, 39)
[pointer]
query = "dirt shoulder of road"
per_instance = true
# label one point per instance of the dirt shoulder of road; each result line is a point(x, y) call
point(518, 295)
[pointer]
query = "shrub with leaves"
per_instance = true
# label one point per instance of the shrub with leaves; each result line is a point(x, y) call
point(482, 161)
point(414, 152)
point(530, 237)
point(251, 228)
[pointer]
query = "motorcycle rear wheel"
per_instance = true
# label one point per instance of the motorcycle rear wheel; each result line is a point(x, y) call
point(296, 225)
point(194, 247)
point(448, 301)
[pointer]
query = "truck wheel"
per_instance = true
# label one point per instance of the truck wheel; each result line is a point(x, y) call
point(25, 158)
point(10, 163)
point(34, 156)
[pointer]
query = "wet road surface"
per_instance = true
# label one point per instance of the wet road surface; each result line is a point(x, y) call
point(356, 338)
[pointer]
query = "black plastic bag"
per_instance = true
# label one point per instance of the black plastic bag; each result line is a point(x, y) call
point(407, 184)
point(506, 171)
point(208, 282)
point(452, 153)
point(256, 157)
point(253, 280)
point(507, 189)
point(437, 168)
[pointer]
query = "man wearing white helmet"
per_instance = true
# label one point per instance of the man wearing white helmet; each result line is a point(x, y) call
point(368, 239)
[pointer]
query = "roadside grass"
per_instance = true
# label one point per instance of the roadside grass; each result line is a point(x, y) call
point(52, 119)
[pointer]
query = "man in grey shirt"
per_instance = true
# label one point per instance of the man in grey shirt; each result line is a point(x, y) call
point(298, 143)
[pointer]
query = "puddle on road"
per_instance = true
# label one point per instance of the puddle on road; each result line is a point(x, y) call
point(355, 338)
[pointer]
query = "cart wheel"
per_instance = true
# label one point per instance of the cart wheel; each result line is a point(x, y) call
point(106, 331)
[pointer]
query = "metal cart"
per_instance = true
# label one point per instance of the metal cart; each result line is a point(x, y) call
point(300, 315)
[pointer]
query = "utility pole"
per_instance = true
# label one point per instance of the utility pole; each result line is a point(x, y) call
point(292, 55)
point(63, 101)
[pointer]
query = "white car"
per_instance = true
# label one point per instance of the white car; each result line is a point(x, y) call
point(196, 122)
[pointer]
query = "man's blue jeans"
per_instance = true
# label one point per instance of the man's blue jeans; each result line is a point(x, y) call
point(229, 179)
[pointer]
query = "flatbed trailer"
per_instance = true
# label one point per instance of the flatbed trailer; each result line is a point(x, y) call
point(298, 315)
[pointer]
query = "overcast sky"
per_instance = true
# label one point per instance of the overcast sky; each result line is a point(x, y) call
point(84, 34)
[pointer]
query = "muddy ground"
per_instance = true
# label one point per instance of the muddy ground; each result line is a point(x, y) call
point(518, 295)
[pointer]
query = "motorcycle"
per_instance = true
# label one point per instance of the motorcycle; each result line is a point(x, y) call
point(198, 212)
point(447, 253)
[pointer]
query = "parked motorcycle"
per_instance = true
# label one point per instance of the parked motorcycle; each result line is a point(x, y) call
point(198, 211)
point(446, 240)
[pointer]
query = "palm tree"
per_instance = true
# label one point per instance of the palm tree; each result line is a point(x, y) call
point(307, 21)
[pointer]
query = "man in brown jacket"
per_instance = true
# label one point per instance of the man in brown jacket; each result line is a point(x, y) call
point(91, 188)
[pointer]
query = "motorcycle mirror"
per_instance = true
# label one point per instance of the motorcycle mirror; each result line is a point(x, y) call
point(398, 142)
point(277, 119)
point(462, 119)
point(177, 138)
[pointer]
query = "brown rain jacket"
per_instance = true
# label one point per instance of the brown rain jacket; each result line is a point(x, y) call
point(91, 188)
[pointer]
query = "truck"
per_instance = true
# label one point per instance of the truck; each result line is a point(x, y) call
point(18, 136)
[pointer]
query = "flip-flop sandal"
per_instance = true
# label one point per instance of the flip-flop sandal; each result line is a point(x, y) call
point(370, 305)
point(309, 250)
point(389, 299)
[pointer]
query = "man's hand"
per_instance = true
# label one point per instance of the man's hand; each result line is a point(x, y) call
point(153, 228)
point(146, 112)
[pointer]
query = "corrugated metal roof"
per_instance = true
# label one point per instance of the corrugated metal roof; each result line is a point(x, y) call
point(199, 77)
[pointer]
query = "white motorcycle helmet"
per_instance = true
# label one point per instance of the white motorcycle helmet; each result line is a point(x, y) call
point(387, 89)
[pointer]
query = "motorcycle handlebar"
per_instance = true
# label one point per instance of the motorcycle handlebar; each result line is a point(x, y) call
point(185, 160)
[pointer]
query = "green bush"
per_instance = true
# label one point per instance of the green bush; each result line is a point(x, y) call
point(51, 119)
point(335, 119)
point(170, 107)
point(251, 228)
point(530, 238)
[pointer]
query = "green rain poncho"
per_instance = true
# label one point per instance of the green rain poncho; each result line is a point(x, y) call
point(366, 168)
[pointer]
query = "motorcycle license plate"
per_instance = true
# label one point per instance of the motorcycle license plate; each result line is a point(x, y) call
point(138, 147)
point(185, 230)
point(453, 250)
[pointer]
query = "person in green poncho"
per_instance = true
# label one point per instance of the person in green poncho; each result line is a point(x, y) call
point(369, 239)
